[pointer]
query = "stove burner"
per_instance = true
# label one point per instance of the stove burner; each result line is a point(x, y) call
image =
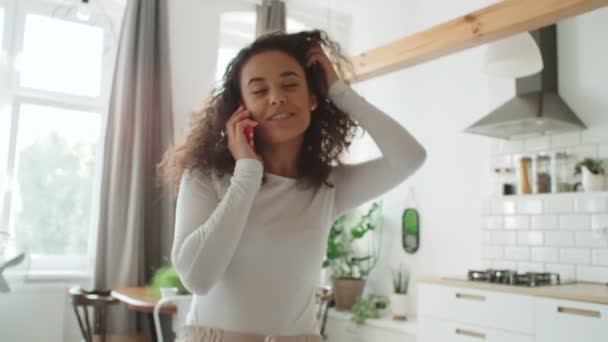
point(512, 277)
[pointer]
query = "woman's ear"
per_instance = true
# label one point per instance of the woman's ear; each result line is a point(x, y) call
point(313, 103)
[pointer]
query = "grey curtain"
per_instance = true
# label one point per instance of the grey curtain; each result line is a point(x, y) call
point(270, 17)
point(136, 216)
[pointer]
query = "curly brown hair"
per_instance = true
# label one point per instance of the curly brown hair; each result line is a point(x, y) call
point(330, 132)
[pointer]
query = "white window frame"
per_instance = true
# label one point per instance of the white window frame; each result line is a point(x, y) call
point(14, 29)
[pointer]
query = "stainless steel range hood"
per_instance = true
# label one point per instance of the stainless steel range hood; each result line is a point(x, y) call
point(537, 108)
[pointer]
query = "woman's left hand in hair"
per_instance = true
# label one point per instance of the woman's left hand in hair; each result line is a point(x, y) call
point(317, 55)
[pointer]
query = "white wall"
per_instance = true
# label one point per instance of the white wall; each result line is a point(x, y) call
point(435, 101)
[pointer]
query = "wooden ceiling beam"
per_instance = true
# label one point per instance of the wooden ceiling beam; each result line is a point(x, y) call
point(479, 27)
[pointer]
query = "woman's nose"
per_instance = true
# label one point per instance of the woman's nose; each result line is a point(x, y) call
point(277, 98)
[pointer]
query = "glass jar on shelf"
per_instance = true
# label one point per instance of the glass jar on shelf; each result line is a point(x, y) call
point(563, 178)
point(542, 182)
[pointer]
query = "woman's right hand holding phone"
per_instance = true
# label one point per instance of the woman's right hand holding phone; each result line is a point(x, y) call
point(237, 141)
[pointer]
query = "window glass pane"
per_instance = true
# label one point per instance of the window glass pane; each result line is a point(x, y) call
point(1, 28)
point(237, 29)
point(51, 204)
point(61, 56)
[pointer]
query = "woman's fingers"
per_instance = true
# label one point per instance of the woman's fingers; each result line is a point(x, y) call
point(240, 113)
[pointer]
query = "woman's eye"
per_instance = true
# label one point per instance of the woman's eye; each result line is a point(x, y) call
point(292, 85)
point(258, 92)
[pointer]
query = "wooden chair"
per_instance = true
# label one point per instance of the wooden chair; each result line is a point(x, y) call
point(324, 300)
point(92, 328)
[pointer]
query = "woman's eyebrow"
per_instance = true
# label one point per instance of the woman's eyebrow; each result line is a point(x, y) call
point(289, 73)
point(283, 74)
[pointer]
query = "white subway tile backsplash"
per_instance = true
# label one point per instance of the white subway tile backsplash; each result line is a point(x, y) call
point(564, 140)
point(603, 151)
point(544, 222)
point(493, 222)
point(592, 273)
point(599, 221)
point(575, 222)
point(600, 257)
point(566, 272)
point(504, 264)
point(503, 238)
point(493, 252)
point(486, 207)
point(530, 206)
point(559, 239)
point(514, 146)
point(558, 205)
point(503, 207)
point(591, 205)
point(486, 238)
point(575, 256)
point(589, 239)
point(565, 233)
point(530, 238)
point(502, 161)
point(517, 222)
point(595, 134)
point(517, 253)
point(537, 144)
point(544, 254)
point(530, 267)
point(583, 151)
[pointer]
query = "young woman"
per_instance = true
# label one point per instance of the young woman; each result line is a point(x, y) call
point(252, 219)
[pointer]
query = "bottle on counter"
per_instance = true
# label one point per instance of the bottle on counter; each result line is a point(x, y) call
point(525, 170)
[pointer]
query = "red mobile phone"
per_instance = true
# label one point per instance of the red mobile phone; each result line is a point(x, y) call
point(248, 131)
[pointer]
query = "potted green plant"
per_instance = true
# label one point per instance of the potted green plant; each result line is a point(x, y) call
point(166, 277)
point(593, 172)
point(399, 297)
point(352, 254)
point(369, 307)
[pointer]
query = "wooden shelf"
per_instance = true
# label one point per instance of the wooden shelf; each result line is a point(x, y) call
point(494, 22)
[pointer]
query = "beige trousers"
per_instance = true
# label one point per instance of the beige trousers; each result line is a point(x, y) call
point(193, 333)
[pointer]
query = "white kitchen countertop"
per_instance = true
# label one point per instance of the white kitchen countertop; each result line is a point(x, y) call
point(579, 291)
point(403, 327)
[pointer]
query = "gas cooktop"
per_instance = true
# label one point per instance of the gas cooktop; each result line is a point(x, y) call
point(512, 277)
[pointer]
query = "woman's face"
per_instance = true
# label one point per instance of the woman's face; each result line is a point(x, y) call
point(275, 90)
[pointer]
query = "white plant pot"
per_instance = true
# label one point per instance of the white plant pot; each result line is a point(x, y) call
point(399, 305)
point(592, 182)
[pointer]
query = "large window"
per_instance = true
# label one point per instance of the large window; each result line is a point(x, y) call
point(56, 74)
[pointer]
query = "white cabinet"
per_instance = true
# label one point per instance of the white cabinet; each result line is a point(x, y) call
point(565, 321)
point(458, 314)
point(484, 308)
point(436, 330)
point(340, 328)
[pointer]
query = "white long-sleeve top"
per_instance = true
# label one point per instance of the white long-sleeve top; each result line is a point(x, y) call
point(252, 254)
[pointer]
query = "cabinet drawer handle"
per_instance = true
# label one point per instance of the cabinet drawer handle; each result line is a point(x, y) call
point(471, 333)
point(578, 312)
point(470, 297)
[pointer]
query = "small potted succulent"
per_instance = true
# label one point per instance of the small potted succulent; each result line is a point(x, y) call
point(399, 298)
point(593, 174)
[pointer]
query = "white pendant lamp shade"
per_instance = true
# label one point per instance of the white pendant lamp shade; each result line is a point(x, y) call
point(512, 57)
